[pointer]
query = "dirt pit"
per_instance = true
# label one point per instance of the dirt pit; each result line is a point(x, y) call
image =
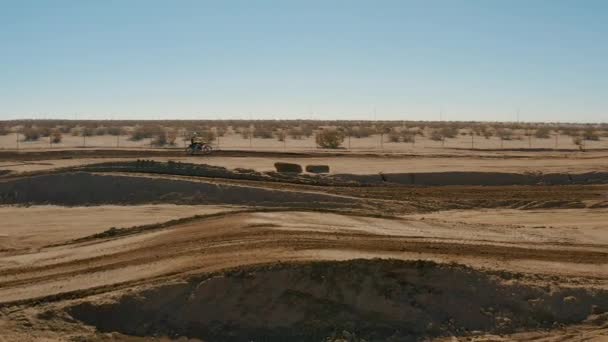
point(374, 300)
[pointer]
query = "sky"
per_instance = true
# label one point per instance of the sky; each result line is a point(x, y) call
point(363, 60)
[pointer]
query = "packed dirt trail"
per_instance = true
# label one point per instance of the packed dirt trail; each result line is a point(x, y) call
point(230, 240)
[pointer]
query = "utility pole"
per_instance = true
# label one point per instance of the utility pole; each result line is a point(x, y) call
point(250, 135)
point(217, 133)
point(17, 135)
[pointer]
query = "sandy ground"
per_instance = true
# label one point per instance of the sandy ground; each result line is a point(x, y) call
point(40, 225)
point(240, 239)
point(515, 162)
point(549, 236)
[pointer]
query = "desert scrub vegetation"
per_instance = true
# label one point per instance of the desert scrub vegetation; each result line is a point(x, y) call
point(590, 134)
point(361, 132)
point(87, 131)
point(263, 132)
point(115, 130)
point(329, 138)
point(281, 134)
point(401, 135)
point(30, 134)
point(542, 133)
point(56, 137)
point(4, 130)
point(504, 133)
point(300, 132)
point(146, 131)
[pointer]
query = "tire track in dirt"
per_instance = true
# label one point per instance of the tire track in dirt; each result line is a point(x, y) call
point(204, 242)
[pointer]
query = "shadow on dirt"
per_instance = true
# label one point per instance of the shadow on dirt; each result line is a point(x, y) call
point(375, 300)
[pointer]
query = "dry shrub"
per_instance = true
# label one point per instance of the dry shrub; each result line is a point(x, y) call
point(590, 134)
point(298, 133)
point(87, 132)
point(288, 167)
point(208, 135)
point(4, 130)
point(394, 136)
point(487, 133)
point(407, 136)
point(160, 139)
point(361, 132)
point(504, 133)
point(570, 131)
point(64, 129)
point(403, 135)
point(281, 135)
point(329, 138)
point(147, 131)
point(436, 135)
point(307, 130)
point(262, 133)
point(542, 133)
point(56, 137)
point(114, 130)
point(172, 137)
point(220, 131)
point(246, 133)
point(30, 134)
point(449, 131)
point(100, 131)
point(44, 132)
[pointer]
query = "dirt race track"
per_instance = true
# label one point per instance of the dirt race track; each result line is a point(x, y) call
point(153, 245)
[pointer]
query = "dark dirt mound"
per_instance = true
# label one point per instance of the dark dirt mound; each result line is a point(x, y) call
point(289, 173)
point(81, 188)
point(477, 178)
point(317, 168)
point(376, 300)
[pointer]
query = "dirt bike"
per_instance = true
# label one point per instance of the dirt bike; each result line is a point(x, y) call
point(202, 148)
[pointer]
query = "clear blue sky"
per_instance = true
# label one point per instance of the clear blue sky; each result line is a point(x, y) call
point(478, 60)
